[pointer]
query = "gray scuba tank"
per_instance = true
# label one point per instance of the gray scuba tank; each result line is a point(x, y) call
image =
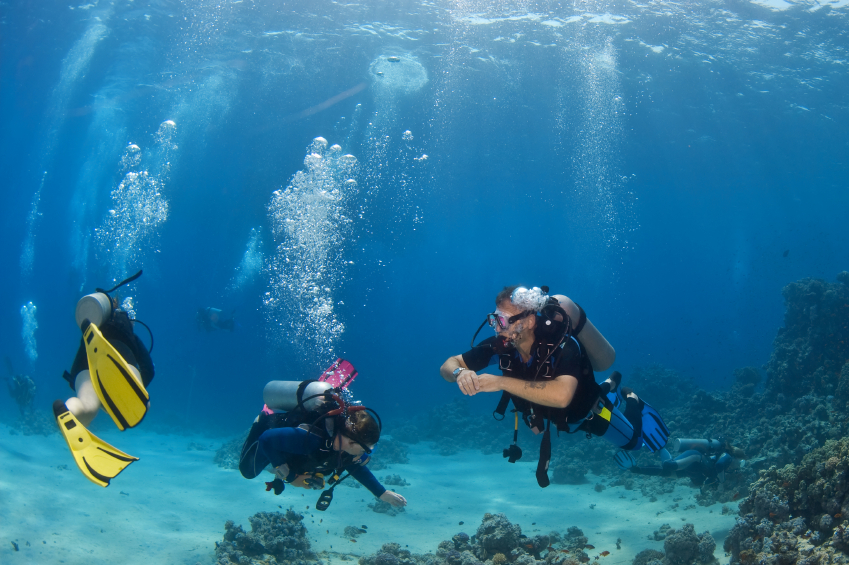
point(96, 308)
point(703, 445)
point(283, 395)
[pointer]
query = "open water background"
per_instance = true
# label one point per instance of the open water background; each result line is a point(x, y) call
point(670, 166)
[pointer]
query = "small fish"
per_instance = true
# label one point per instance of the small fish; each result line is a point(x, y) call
point(838, 515)
point(365, 527)
point(772, 515)
point(353, 541)
point(15, 546)
point(588, 546)
point(785, 484)
point(461, 522)
point(605, 553)
point(736, 496)
point(786, 253)
point(529, 546)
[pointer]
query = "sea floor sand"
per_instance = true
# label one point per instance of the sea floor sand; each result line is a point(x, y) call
point(170, 507)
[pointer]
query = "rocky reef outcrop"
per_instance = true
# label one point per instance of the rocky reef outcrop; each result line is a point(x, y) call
point(794, 514)
point(275, 538)
point(497, 541)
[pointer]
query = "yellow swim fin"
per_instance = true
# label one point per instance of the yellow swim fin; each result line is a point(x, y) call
point(99, 461)
point(121, 392)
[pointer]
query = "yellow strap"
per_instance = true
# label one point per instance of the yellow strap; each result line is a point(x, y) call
point(605, 413)
point(516, 425)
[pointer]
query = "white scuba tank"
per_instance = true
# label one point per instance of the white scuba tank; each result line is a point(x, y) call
point(283, 395)
point(96, 308)
point(703, 445)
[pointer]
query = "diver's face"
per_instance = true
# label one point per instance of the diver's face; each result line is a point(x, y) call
point(518, 330)
point(350, 446)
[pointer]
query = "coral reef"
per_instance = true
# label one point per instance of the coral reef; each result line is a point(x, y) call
point(496, 542)
point(35, 422)
point(22, 390)
point(813, 346)
point(382, 507)
point(275, 538)
point(228, 454)
point(797, 511)
point(395, 481)
point(388, 452)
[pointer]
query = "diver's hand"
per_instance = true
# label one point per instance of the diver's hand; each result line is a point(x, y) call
point(308, 481)
point(468, 382)
point(282, 471)
point(300, 481)
point(490, 383)
point(393, 498)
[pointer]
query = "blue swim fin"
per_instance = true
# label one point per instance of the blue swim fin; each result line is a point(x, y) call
point(655, 433)
point(625, 460)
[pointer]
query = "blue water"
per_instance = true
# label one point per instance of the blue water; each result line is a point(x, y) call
point(669, 166)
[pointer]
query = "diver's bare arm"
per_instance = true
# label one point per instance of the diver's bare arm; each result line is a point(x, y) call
point(447, 369)
point(557, 393)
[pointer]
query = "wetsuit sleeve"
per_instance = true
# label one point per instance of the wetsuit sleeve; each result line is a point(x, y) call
point(481, 356)
point(277, 443)
point(366, 478)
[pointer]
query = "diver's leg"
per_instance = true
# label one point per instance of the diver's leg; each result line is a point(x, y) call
point(620, 432)
point(85, 405)
point(683, 461)
point(252, 460)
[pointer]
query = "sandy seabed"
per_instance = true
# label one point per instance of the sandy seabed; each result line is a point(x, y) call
point(170, 507)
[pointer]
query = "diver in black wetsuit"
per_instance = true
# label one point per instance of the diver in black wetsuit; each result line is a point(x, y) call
point(705, 461)
point(546, 350)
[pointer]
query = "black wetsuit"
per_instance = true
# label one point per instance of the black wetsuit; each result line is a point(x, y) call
point(568, 359)
point(699, 467)
point(118, 331)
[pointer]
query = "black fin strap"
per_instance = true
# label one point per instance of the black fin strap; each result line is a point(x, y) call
point(634, 415)
point(582, 319)
point(544, 457)
point(501, 409)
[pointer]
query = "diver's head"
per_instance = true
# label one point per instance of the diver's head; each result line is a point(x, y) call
point(359, 433)
point(514, 318)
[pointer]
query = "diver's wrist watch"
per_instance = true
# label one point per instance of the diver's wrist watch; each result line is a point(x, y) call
point(459, 370)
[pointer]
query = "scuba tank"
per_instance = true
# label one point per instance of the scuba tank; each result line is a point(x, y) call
point(96, 308)
point(707, 446)
point(288, 395)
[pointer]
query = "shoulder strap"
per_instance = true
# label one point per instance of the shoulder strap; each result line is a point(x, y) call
point(501, 409)
point(544, 456)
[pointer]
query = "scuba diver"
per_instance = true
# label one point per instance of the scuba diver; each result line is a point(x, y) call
point(705, 461)
point(210, 319)
point(112, 370)
point(311, 433)
point(547, 363)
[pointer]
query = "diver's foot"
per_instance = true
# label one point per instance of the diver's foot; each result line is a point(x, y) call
point(614, 380)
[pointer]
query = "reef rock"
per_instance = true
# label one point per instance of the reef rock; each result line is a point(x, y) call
point(274, 539)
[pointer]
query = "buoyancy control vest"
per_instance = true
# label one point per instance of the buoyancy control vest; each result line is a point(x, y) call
point(545, 357)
